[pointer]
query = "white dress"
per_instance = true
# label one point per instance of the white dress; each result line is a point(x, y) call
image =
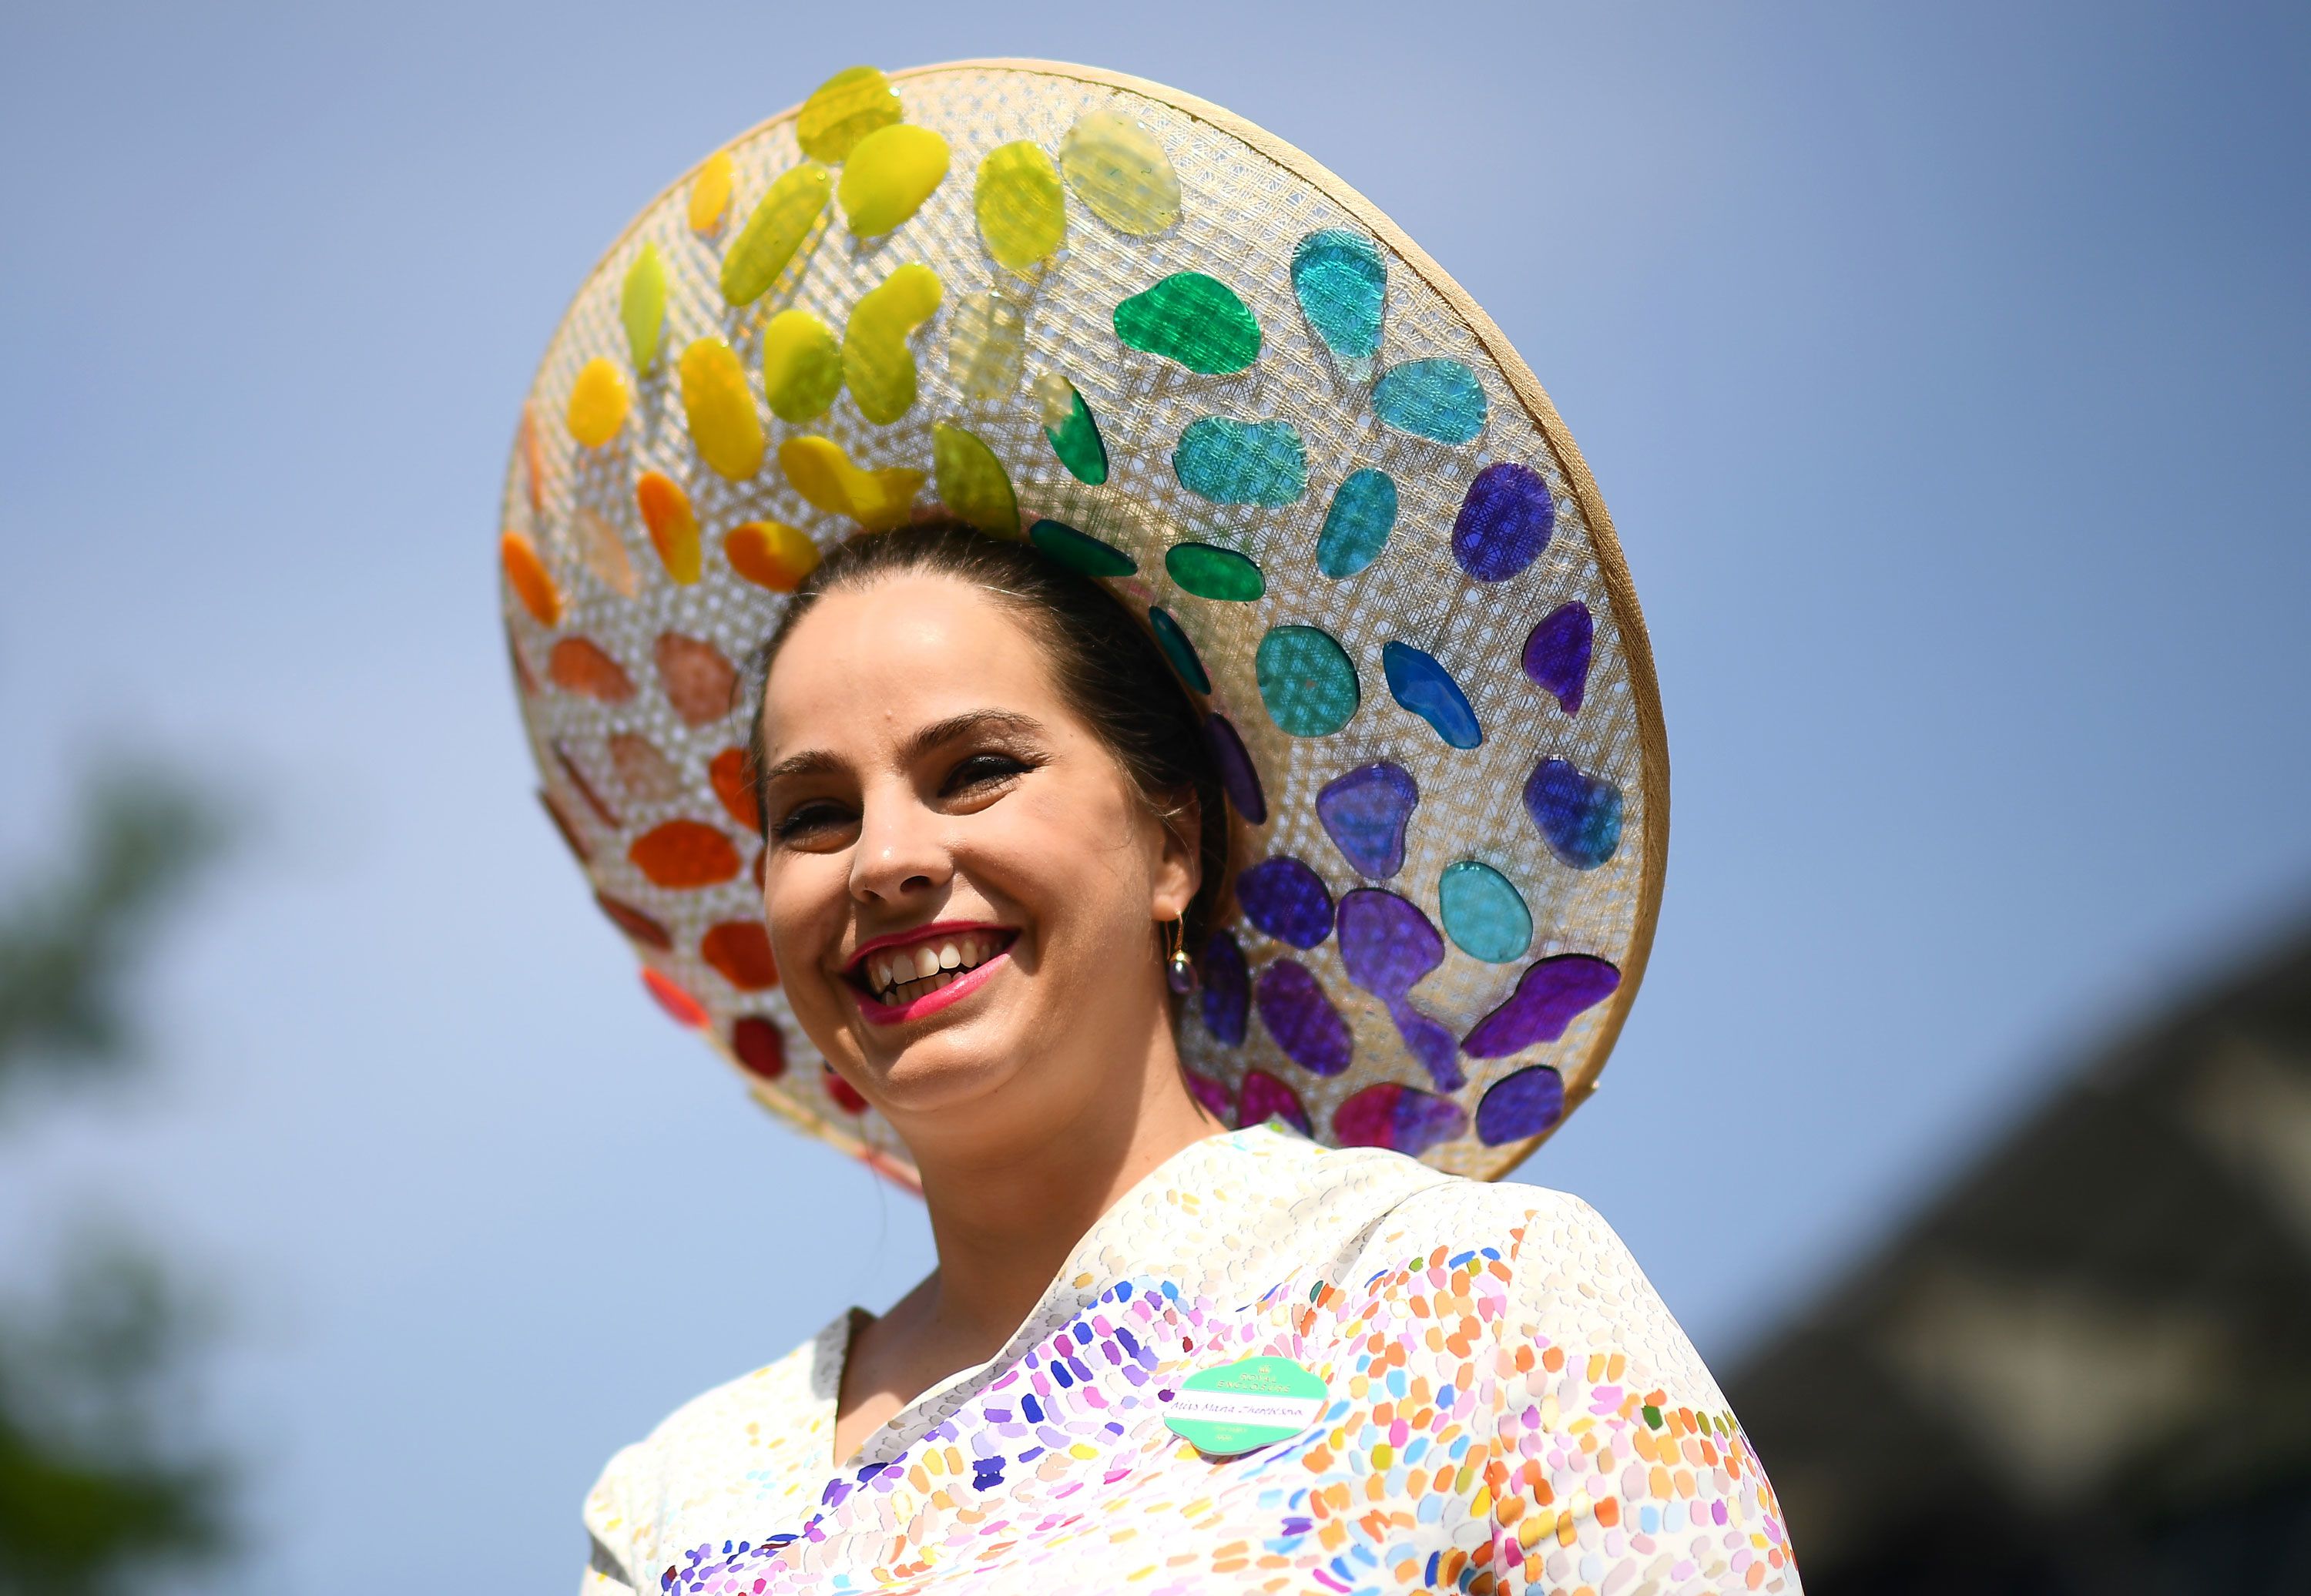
point(1510, 1408)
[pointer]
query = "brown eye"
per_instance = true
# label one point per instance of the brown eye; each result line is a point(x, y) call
point(805, 819)
point(981, 769)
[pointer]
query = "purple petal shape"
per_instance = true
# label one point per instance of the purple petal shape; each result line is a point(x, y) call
point(1236, 771)
point(1556, 653)
point(1431, 1043)
point(1522, 1104)
point(1228, 988)
point(1504, 521)
point(1302, 1019)
point(1287, 900)
point(1547, 998)
point(1365, 811)
point(1386, 943)
point(1210, 1094)
point(1264, 1098)
point(1402, 1118)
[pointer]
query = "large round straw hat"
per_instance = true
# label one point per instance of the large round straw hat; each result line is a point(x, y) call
point(1170, 351)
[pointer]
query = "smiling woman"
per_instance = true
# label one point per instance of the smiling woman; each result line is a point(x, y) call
point(1218, 1304)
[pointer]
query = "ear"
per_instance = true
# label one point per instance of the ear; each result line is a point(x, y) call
point(1179, 866)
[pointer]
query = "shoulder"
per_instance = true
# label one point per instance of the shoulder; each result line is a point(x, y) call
point(762, 1434)
point(1570, 1283)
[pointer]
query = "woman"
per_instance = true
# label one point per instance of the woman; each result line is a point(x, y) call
point(1013, 730)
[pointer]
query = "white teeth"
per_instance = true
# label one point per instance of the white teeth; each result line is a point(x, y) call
point(949, 957)
point(926, 962)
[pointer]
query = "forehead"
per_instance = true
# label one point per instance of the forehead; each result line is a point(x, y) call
point(899, 652)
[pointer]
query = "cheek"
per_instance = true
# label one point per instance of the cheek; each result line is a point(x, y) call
point(1069, 855)
point(804, 897)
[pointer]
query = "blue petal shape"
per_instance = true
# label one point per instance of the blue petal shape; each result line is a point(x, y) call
point(1431, 398)
point(1242, 462)
point(1358, 525)
point(1428, 690)
point(1285, 898)
point(1364, 814)
point(1341, 282)
point(1579, 815)
point(1504, 521)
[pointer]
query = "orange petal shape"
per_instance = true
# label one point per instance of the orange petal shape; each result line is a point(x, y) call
point(771, 555)
point(597, 402)
point(633, 922)
point(672, 524)
point(531, 583)
point(533, 462)
point(648, 775)
point(604, 555)
point(741, 950)
point(824, 474)
point(710, 193)
point(577, 665)
point(729, 774)
point(684, 854)
point(698, 680)
point(685, 1009)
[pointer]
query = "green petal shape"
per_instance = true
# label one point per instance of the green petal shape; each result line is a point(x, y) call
point(1484, 913)
point(1242, 462)
point(1177, 648)
point(971, 482)
point(1209, 572)
point(775, 231)
point(1194, 319)
point(1307, 680)
point(1079, 551)
point(641, 306)
point(1077, 443)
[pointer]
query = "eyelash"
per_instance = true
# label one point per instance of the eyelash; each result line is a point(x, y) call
point(990, 768)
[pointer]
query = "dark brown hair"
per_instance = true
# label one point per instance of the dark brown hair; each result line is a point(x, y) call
point(1106, 664)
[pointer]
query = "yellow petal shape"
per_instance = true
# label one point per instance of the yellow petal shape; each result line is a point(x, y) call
point(1116, 167)
point(824, 474)
point(1022, 214)
point(802, 365)
point(526, 575)
point(641, 306)
point(597, 402)
point(771, 555)
point(773, 234)
point(710, 193)
point(972, 483)
point(984, 345)
point(877, 362)
point(889, 175)
point(723, 421)
point(844, 109)
point(604, 555)
point(673, 525)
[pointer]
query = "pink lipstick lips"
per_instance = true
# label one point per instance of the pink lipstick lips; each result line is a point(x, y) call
point(965, 953)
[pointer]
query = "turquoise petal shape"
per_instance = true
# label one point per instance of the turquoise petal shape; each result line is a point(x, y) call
point(1340, 281)
point(1307, 680)
point(1358, 525)
point(1242, 462)
point(1484, 913)
point(1432, 398)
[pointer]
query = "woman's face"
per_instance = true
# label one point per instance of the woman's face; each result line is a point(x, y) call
point(962, 883)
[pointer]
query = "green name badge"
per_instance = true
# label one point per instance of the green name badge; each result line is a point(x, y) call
point(1242, 1405)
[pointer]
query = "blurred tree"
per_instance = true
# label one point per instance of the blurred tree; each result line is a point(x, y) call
point(98, 1489)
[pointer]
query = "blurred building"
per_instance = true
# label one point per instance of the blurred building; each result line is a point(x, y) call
point(2085, 1367)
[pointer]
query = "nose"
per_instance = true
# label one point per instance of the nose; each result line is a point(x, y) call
point(901, 854)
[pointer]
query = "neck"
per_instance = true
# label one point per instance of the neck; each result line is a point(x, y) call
point(1005, 1217)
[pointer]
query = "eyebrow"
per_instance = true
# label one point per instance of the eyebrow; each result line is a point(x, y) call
point(817, 761)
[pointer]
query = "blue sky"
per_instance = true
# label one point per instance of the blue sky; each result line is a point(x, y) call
point(1948, 371)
